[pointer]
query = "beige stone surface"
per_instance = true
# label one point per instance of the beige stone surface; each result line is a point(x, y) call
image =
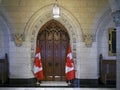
point(80, 18)
point(84, 11)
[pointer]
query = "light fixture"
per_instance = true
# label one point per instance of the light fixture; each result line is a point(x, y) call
point(56, 10)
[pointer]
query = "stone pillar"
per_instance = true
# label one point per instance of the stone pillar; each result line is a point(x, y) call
point(116, 19)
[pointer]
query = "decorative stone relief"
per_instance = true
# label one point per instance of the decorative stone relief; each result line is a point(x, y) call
point(116, 17)
point(88, 39)
point(18, 39)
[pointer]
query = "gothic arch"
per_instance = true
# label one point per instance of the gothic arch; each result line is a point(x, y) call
point(44, 15)
point(100, 16)
point(6, 20)
point(54, 39)
point(101, 31)
point(4, 36)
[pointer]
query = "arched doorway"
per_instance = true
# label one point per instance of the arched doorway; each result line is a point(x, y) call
point(53, 39)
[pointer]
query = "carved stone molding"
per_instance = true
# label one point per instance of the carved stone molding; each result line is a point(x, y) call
point(88, 39)
point(116, 17)
point(18, 39)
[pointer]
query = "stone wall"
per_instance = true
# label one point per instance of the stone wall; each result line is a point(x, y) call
point(26, 17)
point(4, 38)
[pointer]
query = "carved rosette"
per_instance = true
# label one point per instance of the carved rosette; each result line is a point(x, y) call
point(18, 39)
point(116, 17)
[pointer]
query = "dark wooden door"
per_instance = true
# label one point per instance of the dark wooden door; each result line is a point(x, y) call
point(54, 40)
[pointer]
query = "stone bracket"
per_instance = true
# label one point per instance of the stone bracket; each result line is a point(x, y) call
point(88, 39)
point(18, 39)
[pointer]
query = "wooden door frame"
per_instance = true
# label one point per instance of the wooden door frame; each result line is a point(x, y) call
point(49, 25)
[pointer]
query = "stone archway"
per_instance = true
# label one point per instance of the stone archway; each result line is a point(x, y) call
point(103, 25)
point(42, 16)
point(4, 36)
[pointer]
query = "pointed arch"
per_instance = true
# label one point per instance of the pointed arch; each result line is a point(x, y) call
point(102, 25)
point(4, 36)
point(43, 15)
point(54, 24)
point(53, 40)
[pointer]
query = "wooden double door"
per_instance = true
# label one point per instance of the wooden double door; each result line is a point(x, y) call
point(53, 39)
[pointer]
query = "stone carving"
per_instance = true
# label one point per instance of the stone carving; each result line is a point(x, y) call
point(88, 39)
point(18, 39)
point(116, 17)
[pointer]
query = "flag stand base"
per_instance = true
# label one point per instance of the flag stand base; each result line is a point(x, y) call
point(69, 83)
point(38, 83)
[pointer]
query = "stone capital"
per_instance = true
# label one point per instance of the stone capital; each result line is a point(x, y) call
point(116, 17)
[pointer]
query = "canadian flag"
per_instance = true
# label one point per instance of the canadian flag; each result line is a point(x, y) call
point(38, 70)
point(69, 68)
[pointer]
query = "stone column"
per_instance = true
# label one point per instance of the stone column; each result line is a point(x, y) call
point(116, 19)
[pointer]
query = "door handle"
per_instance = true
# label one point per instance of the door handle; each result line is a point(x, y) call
point(56, 64)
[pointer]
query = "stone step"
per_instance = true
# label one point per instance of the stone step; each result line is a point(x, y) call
point(53, 83)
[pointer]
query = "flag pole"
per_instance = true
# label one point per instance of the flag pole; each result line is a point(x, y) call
point(70, 71)
point(38, 82)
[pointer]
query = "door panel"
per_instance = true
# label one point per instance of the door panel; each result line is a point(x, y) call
point(49, 60)
point(63, 57)
point(54, 39)
point(57, 60)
